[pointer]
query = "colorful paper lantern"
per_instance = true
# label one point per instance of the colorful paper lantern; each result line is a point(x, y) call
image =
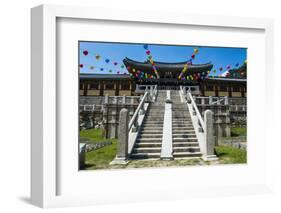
point(115, 63)
point(237, 64)
point(85, 52)
point(122, 66)
point(81, 65)
point(145, 46)
point(193, 56)
point(196, 50)
point(147, 52)
point(91, 67)
point(107, 60)
point(101, 69)
point(97, 57)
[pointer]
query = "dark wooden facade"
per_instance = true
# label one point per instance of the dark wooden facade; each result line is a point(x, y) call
point(119, 85)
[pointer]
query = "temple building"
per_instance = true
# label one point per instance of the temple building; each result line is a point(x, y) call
point(165, 76)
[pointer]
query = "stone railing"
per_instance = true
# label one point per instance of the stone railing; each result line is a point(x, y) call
point(212, 100)
point(203, 127)
point(194, 90)
point(137, 119)
point(144, 88)
point(121, 99)
point(90, 107)
point(129, 130)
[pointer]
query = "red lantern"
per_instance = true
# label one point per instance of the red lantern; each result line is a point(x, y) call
point(147, 52)
point(193, 56)
point(81, 65)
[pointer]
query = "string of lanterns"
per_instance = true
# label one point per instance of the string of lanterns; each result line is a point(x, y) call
point(98, 57)
point(139, 74)
point(189, 62)
point(229, 68)
point(150, 59)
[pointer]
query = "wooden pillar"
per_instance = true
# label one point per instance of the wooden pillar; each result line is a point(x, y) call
point(101, 88)
point(216, 90)
point(117, 84)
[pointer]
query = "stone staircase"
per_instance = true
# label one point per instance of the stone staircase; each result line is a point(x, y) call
point(149, 141)
point(185, 142)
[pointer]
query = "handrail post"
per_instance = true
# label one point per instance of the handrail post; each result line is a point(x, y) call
point(209, 152)
point(210, 100)
point(226, 100)
point(141, 106)
point(122, 144)
point(124, 99)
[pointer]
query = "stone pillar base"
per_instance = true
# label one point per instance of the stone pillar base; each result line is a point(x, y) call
point(210, 158)
point(167, 158)
point(119, 161)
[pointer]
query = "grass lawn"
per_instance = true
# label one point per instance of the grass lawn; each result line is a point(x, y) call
point(93, 135)
point(231, 155)
point(101, 158)
point(238, 131)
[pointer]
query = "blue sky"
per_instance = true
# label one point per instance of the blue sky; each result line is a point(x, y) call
point(116, 52)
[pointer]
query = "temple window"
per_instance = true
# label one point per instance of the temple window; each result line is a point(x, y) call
point(125, 86)
point(210, 87)
point(236, 89)
point(94, 85)
point(109, 85)
point(223, 88)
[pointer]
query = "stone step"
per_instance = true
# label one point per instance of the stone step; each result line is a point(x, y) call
point(145, 155)
point(152, 126)
point(149, 129)
point(182, 126)
point(188, 131)
point(186, 154)
point(149, 135)
point(179, 115)
point(182, 122)
point(155, 115)
point(147, 150)
point(153, 122)
point(185, 144)
point(186, 149)
point(149, 140)
point(190, 127)
point(184, 131)
point(183, 135)
point(152, 132)
point(139, 145)
point(185, 139)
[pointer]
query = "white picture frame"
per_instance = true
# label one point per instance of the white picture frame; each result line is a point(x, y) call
point(44, 150)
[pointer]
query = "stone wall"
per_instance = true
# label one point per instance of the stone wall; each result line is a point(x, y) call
point(103, 112)
point(221, 119)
